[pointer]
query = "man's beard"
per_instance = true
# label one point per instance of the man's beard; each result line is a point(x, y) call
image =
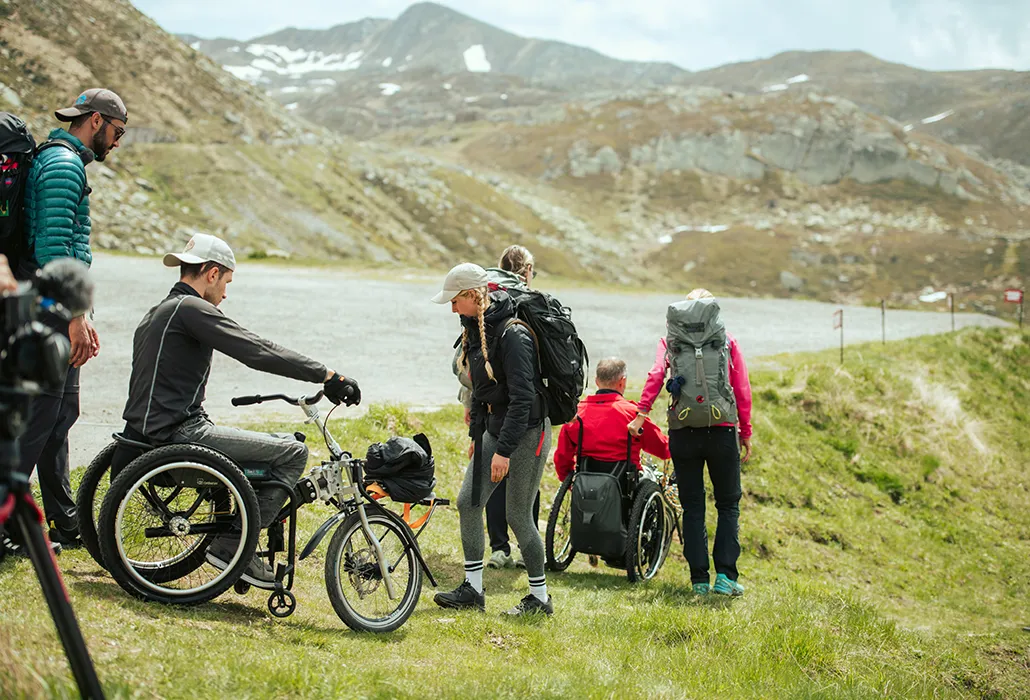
point(99, 148)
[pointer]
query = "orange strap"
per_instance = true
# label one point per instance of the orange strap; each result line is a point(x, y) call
point(376, 491)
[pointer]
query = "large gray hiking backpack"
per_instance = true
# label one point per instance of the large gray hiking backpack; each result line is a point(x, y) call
point(699, 361)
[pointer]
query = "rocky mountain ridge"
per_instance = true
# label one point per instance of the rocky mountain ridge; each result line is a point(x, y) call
point(785, 192)
point(425, 37)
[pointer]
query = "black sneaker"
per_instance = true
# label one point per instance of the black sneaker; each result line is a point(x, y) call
point(531, 605)
point(67, 540)
point(464, 597)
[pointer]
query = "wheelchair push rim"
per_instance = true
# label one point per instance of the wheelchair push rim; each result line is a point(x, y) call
point(650, 537)
point(559, 550)
point(184, 519)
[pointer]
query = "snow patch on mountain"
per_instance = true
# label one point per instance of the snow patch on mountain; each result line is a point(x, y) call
point(475, 59)
point(282, 60)
point(248, 73)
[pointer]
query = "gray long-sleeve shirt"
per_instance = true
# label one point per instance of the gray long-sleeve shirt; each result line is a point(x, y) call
point(171, 361)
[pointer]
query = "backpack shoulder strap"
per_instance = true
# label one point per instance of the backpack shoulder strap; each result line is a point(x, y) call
point(579, 443)
point(55, 142)
point(536, 342)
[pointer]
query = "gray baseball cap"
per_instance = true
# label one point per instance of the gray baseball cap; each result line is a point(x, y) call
point(203, 248)
point(460, 278)
point(95, 100)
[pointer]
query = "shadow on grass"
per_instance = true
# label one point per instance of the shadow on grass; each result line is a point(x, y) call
point(601, 577)
point(223, 611)
point(681, 595)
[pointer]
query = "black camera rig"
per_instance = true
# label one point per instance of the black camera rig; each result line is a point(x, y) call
point(34, 354)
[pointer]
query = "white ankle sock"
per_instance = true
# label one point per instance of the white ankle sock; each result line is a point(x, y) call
point(474, 574)
point(538, 587)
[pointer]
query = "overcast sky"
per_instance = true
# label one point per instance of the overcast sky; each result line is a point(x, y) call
point(695, 34)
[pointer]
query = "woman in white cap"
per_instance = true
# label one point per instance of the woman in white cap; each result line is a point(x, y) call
point(510, 430)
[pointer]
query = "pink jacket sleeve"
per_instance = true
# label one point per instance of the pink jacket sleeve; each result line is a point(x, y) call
point(655, 379)
point(741, 387)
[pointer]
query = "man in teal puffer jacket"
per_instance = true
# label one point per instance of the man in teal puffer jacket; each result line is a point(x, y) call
point(57, 211)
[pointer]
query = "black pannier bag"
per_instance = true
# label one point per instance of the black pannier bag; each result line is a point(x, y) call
point(404, 467)
point(597, 526)
point(597, 519)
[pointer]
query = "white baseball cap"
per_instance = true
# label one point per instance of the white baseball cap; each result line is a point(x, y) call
point(461, 278)
point(203, 248)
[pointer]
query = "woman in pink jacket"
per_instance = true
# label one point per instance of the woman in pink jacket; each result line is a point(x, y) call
point(717, 446)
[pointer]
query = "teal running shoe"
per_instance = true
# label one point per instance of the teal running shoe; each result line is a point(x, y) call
point(725, 586)
point(701, 588)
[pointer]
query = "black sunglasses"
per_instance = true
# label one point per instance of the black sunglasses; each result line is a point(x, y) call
point(119, 131)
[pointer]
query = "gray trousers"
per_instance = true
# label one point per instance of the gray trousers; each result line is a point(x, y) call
point(283, 454)
point(524, 474)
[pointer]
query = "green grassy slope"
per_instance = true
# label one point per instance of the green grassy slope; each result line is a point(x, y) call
point(886, 553)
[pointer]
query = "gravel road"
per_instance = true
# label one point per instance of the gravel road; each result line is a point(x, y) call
point(384, 332)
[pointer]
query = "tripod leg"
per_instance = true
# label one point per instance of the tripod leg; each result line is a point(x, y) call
point(27, 521)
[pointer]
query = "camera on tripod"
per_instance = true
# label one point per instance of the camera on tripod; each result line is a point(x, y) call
point(33, 351)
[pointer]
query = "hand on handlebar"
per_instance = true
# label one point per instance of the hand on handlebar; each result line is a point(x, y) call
point(340, 389)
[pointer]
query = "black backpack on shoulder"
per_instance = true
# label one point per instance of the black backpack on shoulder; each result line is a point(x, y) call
point(17, 149)
point(561, 353)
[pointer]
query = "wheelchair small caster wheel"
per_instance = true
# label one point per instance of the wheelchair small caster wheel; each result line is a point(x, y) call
point(282, 603)
point(241, 587)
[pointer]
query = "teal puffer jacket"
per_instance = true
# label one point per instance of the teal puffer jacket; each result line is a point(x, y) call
point(57, 203)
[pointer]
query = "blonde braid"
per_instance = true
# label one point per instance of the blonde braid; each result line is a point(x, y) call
point(463, 364)
point(484, 301)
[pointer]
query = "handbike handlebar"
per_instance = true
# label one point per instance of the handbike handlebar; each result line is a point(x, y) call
point(292, 400)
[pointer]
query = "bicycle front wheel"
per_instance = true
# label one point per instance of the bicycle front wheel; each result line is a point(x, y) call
point(354, 580)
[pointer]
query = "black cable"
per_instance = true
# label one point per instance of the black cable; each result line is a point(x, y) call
point(325, 427)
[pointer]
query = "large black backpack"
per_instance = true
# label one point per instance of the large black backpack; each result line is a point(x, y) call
point(562, 355)
point(17, 149)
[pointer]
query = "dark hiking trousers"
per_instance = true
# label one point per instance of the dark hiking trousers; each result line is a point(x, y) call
point(717, 447)
point(285, 456)
point(44, 446)
point(497, 517)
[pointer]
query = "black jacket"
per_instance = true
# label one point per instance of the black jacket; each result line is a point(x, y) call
point(511, 404)
point(171, 361)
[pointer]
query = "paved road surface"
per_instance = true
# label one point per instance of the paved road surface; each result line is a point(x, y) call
point(388, 335)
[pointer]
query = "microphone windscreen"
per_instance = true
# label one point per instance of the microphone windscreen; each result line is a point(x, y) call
point(67, 282)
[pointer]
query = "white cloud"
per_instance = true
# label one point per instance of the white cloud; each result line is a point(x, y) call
point(696, 34)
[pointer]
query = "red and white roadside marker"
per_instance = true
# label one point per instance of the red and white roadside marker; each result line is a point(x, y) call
point(1015, 296)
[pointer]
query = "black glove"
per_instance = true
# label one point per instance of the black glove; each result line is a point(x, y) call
point(340, 389)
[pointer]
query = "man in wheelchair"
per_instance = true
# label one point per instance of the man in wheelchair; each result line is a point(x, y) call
point(171, 362)
point(603, 422)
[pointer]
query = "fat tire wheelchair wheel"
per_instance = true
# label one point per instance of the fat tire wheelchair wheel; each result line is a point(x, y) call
point(228, 495)
point(647, 534)
point(559, 526)
point(352, 574)
point(90, 496)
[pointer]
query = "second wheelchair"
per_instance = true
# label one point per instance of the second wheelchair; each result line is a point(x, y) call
point(611, 510)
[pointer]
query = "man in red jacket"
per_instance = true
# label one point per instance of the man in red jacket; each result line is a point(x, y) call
point(606, 416)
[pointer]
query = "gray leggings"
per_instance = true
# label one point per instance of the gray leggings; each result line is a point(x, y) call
point(524, 474)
